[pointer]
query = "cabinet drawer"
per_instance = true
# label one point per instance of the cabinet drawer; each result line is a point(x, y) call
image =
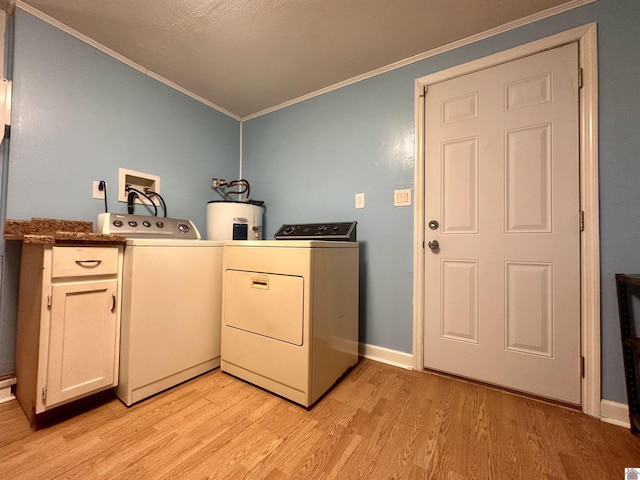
point(84, 261)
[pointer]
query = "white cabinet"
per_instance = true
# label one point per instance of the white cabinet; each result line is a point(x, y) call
point(68, 323)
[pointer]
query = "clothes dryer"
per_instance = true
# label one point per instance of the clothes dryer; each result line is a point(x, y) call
point(290, 314)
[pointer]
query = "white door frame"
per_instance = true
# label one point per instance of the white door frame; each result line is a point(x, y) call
point(586, 36)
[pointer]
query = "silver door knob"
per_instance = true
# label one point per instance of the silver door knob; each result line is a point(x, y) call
point(433, 244)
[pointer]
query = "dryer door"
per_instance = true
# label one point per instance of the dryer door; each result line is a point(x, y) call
point(265, 304)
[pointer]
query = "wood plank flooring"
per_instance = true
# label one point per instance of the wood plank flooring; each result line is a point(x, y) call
point(380, 422)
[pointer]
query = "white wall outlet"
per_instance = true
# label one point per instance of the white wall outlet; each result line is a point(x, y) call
point(97, 193)
point(402, 198)
point(359, 200)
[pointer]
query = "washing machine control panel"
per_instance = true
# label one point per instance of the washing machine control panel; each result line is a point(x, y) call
point(345, 231)
point(144, 226)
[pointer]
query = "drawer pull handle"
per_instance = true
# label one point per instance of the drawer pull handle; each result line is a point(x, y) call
point(113, 302)
point(89, 263)
point(261, 283)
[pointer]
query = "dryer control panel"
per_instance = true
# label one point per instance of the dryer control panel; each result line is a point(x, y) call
point(344, 231)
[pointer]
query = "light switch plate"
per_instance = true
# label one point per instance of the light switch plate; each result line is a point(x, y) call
point(402, 198)
point(359, 200)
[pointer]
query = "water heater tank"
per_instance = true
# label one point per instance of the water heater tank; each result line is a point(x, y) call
point(234, 220)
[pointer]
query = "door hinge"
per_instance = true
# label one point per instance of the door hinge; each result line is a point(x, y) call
point(44, 393)
point(49, 300)
point(581, 367)
point(580, 77)
point(423, 244)
point(582, 220)
point(424, 90)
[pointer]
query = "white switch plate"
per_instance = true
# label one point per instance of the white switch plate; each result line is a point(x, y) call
point(402, 198)
point(359, 200)
point(96, 191)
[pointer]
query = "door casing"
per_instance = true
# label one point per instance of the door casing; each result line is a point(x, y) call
point(586, 36)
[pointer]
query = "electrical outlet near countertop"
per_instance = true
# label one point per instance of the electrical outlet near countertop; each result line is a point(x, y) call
point(97, 193)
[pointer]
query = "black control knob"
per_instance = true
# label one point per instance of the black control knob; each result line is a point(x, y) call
point(288, 230)
point(322, 228)
point(117, 223)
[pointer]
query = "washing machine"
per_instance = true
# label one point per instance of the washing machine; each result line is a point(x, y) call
point(290, 309)
point(171, 294)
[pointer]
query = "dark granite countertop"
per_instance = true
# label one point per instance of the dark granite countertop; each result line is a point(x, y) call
point(52, 231)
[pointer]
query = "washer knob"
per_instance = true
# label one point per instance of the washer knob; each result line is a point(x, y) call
point(146, 223)
point(159, 224)
point(133, 223)
point(183, 227)
point(117, 223)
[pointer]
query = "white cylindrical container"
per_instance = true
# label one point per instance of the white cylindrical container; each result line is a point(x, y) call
point(234, 220)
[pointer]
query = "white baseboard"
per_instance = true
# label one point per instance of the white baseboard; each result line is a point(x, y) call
point(5, 389)
point(614, 413)
point(386, 355)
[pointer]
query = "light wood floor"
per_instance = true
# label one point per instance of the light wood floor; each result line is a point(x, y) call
point(380, 422)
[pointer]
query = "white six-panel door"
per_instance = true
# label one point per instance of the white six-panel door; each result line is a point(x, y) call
point(502, 290)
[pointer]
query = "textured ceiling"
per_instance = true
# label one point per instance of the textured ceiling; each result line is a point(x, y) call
point(246, 56)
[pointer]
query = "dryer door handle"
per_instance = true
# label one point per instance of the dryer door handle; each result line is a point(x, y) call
point(262, 283)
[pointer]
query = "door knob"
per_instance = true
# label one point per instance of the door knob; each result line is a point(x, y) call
point(433, 244)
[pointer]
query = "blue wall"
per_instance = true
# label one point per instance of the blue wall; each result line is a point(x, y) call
point(79, 115)
point(308, 160)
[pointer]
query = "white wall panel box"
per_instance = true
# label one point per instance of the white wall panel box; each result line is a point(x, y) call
point(140, 181)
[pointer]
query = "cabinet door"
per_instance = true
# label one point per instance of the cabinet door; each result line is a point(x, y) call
point(83, 340)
